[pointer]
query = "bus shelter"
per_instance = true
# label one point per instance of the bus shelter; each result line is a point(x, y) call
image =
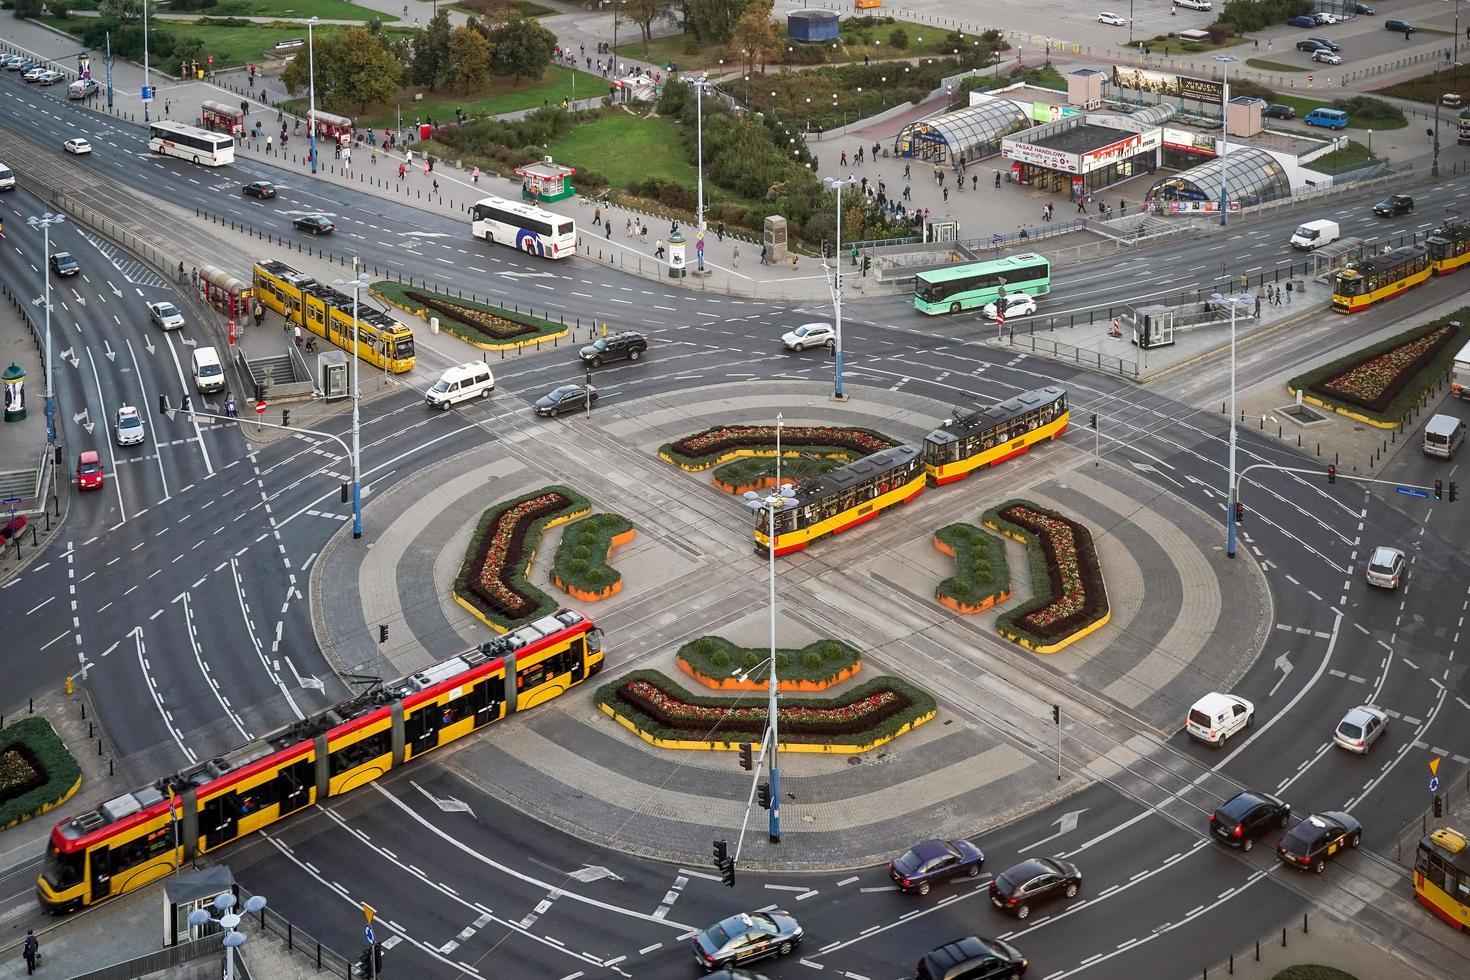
point(221, 118)
point(225, 292)
point(330, 125)
point(545, 181)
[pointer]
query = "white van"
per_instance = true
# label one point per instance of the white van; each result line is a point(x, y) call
point(1314, 234)
point(1215, 717)
point(81, 88)
point(209, 375)
point(461, 383)
point(1443, 435)
point(7, 178)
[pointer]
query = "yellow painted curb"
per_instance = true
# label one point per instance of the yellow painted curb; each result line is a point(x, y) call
point(46, 807)
point(470, 607)
point(809, 747)
point(1356, 417)
point(739, 453)
point(1054, 647)
point(423, 313)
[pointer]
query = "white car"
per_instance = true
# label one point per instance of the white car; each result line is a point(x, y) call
point(1193, 4)
point(50, 77)
point(76, 145)
point(1017, 304)
point(1386, 567)
point(1360, 728)
point(1322, 17)
point(810, 335)
point(1215, 717)
point(166, 315)
point(1326, 57)
point(1117, 20)
point(129, 426)
point(34, 74)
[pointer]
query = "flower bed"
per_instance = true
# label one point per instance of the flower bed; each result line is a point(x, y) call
point(1381, 384)
point(492, 581)
point(981, 576)
point(664, 713)
point(759, 472)
point(487, 327)
point(580, 568)
point(714, 661)
point(37, 773)
point(1070, 598)
point(713, 446)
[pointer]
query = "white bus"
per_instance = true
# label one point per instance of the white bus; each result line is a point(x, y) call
point(521, 226)
point(191, 143)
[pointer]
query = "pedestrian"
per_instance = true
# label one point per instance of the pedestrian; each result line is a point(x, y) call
point(608, 226)
point(336, 151)
point(408, 157)
point(764, 253)
point(735, 257)
point(1407, 31)
point(843, 162)
point(1288, 292)
point(267, 146)
point(32, 948)
point(296, 333)
point(1081, 205)
point(401, 171)
point(426, 168)
point(793, 261)
point(643, 233)
point(628, 229)
point(596, 212)
point(436, 185)
point(974, 182)
point(375, 154)
point(997, 178)
point(946, 195)
point(1258, 44)
point(658, 248)
point(230, 406)
point(1122, 208)
point(720, 230)
point(166, 105)
point(1270, 45)
point(259, 313)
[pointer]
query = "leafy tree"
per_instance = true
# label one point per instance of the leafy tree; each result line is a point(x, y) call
point(469, 57)
point(1254, 15)
point(354, 70)
point(644, 13)
point(59, 8)
point(28, 8)
point(712, 20)
point(522, 49)
point(431, 62)
point(189, 49)
point(120, 10)
point(754, 35)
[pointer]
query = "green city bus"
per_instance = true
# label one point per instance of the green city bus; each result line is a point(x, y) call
point(963, 287)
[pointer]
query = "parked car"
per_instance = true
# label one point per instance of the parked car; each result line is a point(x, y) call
point(1323, 18)
point(1394, 204)
point(623, 345)
point(128, 426)
point(745, 937)
point(89, 470)
point(1360, 728)
point(1245, 816)
point(166, 315)
point(1215, 717)
point(1399, 26)
point(50, 77)
point(1038, 879)
point(1326, 57)
point(1017, 304)
point(317, 224)
point(1314, 840)
point(1451, 100)
point(565, 398)
point(1364, 9)
point(1277, 110)
point(1193, 4)
point(810, 335)
point(1116, 20)
point(77, 146)
point(1386, 567)
point(972, 958)
point(1302, 20)
point(933, 861)
point(1324, 42)
point(34, 73)
point(259, 188)
point(10, 62)
point(1331, 118)
point(64, 264)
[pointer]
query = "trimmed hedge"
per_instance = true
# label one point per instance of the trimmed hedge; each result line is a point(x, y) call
point(1313, 971)
point(980, 569)
point(747, 470)
point(1046, 579)
point(581, 558)
point(1412, 383)
point(477, 323)
point(702, 450)
point(716, 657)
point(41, 749)
point(885, 723)
point(518, 559)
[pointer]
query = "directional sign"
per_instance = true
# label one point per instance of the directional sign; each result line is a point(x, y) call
point(367, 933)
point(1434, 766)
point(1413, 492)
point(1434, 784)
point(368, 912)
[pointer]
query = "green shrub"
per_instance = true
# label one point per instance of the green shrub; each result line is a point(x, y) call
point(811, 660)
point(898, 38)
point(53, 762)
point(980, 565)
point(581, 558)
point(834, 652)
point(750, 660)
point(720, 658)
point(783, 661)
point(712, 656)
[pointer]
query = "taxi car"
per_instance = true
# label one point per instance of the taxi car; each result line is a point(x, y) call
point(128, 426)
point(745, 937)
point(1317, 838)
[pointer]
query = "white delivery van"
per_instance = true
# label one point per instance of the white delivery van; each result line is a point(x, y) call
point(1315, 234)
point(81, 88)
point(209, 375)
point(7, 178)
point(461, 383)
point(1443, 435)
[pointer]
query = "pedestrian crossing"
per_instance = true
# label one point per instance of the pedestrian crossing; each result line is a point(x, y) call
point(131, 269)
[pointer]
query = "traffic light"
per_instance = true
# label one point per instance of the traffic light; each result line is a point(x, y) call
point(1093, 421)
point(383, 633)
point(1438, 805)
point(1454, 491)
point(259, 391)
point(724, 863)
point(1239, 512)
point(747, 760)
point(363, 966)
point(1438, 489)
point(162, 403)
point(1056, 714)
point(378, 959)
point(763, 795)
point(1331, 473)
point(344, 493)
point(721, 851)
point(286, 417)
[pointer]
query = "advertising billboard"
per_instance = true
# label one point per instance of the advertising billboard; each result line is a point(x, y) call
point(1040, 156)
point(1167, 83)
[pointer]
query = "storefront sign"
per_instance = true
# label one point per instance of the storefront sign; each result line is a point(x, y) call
point(1167, 83)
point(1040, 156)
point(1121, 150)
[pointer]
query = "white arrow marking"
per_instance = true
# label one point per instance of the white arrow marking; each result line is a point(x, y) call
point(1067, 823)
point(148, 343)
point(593, 872)
point(312, 682)
point(110, 354)
point(527, 275)
point(70, 356)
point(79, 297)
point(449, 804)
point(118, 293)
point(1283, 665)
point(1144, 467)
point(424, 234)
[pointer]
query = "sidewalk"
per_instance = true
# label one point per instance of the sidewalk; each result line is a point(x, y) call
point(1326, 942)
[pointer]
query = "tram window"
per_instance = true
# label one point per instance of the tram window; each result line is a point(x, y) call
point(257, 799)
point(351, 756)
point(141, 849)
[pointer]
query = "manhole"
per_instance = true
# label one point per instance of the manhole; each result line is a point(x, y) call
point(854, 760)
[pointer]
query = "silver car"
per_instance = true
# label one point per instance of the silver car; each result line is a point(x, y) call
point(50, 77)
point(166, 315)
point(129, 426)
point(1386, 567)
point(1360, 728)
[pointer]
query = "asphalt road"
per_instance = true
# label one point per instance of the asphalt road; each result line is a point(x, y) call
point(181, 582)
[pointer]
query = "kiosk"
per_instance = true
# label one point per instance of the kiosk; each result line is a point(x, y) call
point(544, 182)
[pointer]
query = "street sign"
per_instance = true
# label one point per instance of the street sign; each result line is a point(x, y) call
point(368, 912)
point(260, 408)
point(1413, 492)
point(1434, 766)
point(367, 933)
point(147, 93)
point(1434, 784)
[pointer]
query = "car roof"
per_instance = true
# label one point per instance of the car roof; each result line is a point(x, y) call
point(1362, 713)
point(1385, 555)
point(1213, 702)
point(927, 850)
point(958, 951)
point(89, 456)
point(1242, 803)
point(1030, 868)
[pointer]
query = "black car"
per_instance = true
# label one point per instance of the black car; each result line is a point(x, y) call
point(63, 264)
point(1317, 838)
point(1323, 42)
point(317, 224)
point(1394, 204)
point(1032, 881)
point(1278, 111)
point(1245, 816)
point(932, 861)
point(745, 937)
point(1310, 45)
point(971, 958)
point(627, 344)
point(1400, 27)
point(259, 188)
point(1364, 9)
point(566, 398)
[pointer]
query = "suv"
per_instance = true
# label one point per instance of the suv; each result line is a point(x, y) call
point(1245, 816)
point(1277, 110)
point(614, 347)
point(1317, 838)
point(971, 957)
point(1215, 717)
point(1399, 26)
point(63, 264)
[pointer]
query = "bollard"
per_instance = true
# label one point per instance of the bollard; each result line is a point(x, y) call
point(109, 767)
point(1278, 435)
point(1232, 955)
point(1319, 456)
point(90, 733)
point(99, 746)
point(32, 709)
point(1258, 942)
point(1283, 936)
point(84, 709)
point(1304, 916)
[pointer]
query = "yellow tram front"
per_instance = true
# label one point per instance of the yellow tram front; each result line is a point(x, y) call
point(1380, 277)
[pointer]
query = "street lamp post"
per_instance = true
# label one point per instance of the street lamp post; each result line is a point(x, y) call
point(1230, 495)
point(357, 282)
point(699, 84)
point(837, 393)
point(778, 498)
point(311, 90)
point(1130, 21)
point(146, 93)
point(228, 921)
point(44, 222)
point(1224, 59)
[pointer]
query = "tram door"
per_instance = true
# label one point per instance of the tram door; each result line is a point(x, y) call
point(221, 820)
point(100, 861)
point(421, 729)
point(297, 780)
point(579, 658)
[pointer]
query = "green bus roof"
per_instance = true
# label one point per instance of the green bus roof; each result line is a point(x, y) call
point(965, 269)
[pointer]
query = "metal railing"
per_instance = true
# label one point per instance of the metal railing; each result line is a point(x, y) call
point(1075, 355)
point(159, 959)
point(300, 944)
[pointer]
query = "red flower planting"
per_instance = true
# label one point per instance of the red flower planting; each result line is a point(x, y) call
point(709, 718)
point(1077, 597)
point(502, 555)
point(708, 447)
point(1375, 380)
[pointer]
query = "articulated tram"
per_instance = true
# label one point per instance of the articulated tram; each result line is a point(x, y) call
point(1449, 246)
point(861, 490)
point(141, 836)
point(380, 340)
point(1383, 276)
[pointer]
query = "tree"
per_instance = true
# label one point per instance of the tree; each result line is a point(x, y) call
point(354, 70)
point(522, 49)
point(188, 49)
point(121, 10)
point(59, 8)
point(644, 13)
point(28, 8)
point(712, 20)
point(469, 57)
point(753, 34)
point(431, 61)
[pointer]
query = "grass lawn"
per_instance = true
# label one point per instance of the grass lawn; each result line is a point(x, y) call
point(232, 47)
point(299, 9)
point(1349, 157)
point(497, 97)
point(627, 148)
point(1263, 65)
point(1428, 88)
point(1304, 105)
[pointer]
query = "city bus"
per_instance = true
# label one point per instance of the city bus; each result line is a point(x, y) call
point(974, 284)
point(1380, 277)
point(191, 143)
point(379, 339)
point(1442, 876)
point(532, 230)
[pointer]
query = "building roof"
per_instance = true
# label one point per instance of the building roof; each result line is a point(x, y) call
point(1083, 138)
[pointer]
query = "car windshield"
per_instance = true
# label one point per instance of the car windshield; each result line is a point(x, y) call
point(209, 370)
point(910, 860)
point(167, 309)
point(599, 344)
point(91, 467)
point(1349, 729)
point(442, 386)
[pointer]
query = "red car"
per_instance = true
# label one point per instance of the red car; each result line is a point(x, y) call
point(89, 471)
